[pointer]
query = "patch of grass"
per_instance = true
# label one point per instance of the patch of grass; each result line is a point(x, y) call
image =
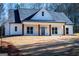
point(77, 34)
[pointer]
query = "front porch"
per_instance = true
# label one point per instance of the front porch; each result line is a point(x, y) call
point(43, 29)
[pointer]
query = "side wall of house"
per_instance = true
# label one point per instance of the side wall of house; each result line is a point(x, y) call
point(70, 29)
point(6, 29)
point(12, 29)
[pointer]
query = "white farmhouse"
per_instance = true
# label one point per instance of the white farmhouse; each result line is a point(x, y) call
point(37, 23)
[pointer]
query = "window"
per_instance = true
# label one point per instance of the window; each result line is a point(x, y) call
point(54, 30)
point(29, 30)
point(42, 13)
point(15, 28)
point(67, 30)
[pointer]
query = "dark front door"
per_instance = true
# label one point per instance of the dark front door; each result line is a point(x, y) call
point(42, 30)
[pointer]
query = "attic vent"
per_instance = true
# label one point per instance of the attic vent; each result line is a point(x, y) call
point(43, 13)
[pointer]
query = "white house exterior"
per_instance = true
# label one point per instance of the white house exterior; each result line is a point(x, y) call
point(37, 23)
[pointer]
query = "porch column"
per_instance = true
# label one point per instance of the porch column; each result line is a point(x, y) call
point(38, 29)
point(63, 29)
point(22, 29)
point(49, 30)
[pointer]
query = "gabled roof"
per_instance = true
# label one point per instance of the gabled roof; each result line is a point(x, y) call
point(60, 17)
point(28, 14)
point(25, 13)
point(29, 17)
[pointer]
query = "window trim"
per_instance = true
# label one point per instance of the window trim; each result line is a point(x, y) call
point(29, 30)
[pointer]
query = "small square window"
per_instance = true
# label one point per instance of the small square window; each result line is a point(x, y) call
point(15, 28)
point(42, 13)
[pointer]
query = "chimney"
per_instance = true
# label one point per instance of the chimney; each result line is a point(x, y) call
point(17, 16)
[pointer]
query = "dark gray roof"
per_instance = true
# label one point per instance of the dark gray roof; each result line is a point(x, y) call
point(60, 17)
point(27, 14)
point(23, 14)
point(29, 17)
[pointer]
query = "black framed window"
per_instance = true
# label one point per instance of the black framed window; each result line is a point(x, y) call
point(67, 30)
point(42, 13)
point(54, 30)
point(29, 30)
point(15, 28)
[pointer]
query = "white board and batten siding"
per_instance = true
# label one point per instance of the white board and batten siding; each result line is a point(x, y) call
point(59, 28)
point(70, 29)
point(12, 29)
point(6, 25)
point(35, 29)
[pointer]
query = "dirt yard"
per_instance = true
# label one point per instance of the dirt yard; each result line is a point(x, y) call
point(22, 40)
point(43, 45)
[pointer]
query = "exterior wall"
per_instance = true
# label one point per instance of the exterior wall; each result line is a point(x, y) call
point(46, 25)
point(70, 29)
point(59, 27)
point(12, 29)
point(6, 29)
point(35, 29)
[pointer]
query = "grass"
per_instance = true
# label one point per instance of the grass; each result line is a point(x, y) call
point(77, 34)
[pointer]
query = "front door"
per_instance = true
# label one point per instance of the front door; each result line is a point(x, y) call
point(42, 30)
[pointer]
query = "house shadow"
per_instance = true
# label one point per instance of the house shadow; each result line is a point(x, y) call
point(46, 49)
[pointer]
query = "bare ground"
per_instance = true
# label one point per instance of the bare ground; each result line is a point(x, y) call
point(22, 40)
point(42, 45)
